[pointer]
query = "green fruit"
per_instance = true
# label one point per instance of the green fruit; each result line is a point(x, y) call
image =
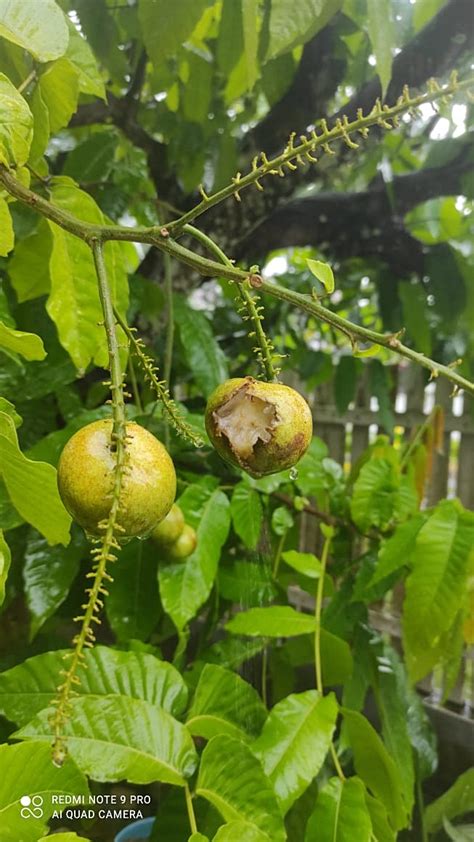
point(184, 546)
point(86, 476)
point(170, 528)
point(259, 427)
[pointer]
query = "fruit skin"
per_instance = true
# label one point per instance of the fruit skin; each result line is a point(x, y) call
point(86, 475)
point(289, 431)
point(170, 528)
point(184, 546)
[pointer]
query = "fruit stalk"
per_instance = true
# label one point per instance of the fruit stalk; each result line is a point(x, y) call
point(107, 543)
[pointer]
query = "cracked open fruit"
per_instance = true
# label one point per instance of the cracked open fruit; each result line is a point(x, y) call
point(86, 476)
point(260, 427)
point(170, 528)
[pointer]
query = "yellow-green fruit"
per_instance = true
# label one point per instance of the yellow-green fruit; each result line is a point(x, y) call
point(86, 475)
point(184, 546)
point(260, 427)
point(170, 528)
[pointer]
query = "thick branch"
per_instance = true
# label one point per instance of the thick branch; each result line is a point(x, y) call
point(361, 224)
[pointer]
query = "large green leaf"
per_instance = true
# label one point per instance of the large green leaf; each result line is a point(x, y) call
point(28, 345)
point(250, 31)
point(381, 37)
point(336, 657)
point(435, 586)
point(185, 586)
point(247, 583)
point(74, 303)
point(40, 28)
point(7, 237)
point(59, 88)
point(84, 62)
point(29, 687)
point(225, 704)
point(375, 766)
point(206, 360)
point(166, 26)
point(26, 769)
point(456, 801)
point(294, 742)
point(275, 621)
point(459, 832)
point(5, 561)
point(381, 493)
point(292, 24)
point(116, 738)
point(397, 550)
point(305, 563)
point(232, 779)
point(16, 125)
point(133, 605)
point(241, 831)
point(29, 265)
point(48, 574)
point(42, 506)
point(379, 818)
point(247, 514)
point(341, 813)
point(64, 837)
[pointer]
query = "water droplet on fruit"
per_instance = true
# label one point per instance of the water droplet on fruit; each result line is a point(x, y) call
point(293, 473)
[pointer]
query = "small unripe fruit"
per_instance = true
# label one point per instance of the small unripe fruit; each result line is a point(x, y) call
point(170, 528)
point(86, 473)
point(184, 546)
point(259, 427)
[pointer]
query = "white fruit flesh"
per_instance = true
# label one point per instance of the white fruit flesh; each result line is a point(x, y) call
point(244, 420)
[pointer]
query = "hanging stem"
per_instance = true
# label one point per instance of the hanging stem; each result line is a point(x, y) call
point(107, 543)
point(168, 360)
point(265, 346)
point(190, 809)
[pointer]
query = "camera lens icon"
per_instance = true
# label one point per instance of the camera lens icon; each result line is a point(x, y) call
point(31, 807)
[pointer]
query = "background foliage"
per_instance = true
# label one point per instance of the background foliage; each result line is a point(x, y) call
point(119, 111)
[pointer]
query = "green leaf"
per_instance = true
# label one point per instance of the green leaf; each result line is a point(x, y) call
point(232, 780)
point(456, 801)
point(341, 813)
point(250, 30)
point(28, 688)
point(460, 832)
point(293, 24)
point(381, 494)
point(26, 769)
point(5, 561)
point(198, 837)
point(204, 357)
point(197, 93)
point(435, 587)
point(242, 831)
point(323, 272)
point(185, 586)
point(294, 742)
point(166, 27)
point(336, 659)
point(413, 299)
point(39, 29)
point(424, 11)
point(305, 563)
point(116, 738)
point(84, 62)
point(397, 550)
point(41, 129)
point(42, 506)
point(133, 605)
point(375, 766)
point(28, 268)
point(282, 520)
point(64, 837)
point(381, 37)
point(380, 384)
point(247, 514)
point(246, 582)
point(28, 345)
point(7, 408)
point(16, 125)
point(48, 574)
point(379, 818)
point(225, 704)
point(7, 237)
point(275, 621)
point(59, 86)
point(93, 159)
point(311, 477)
point(74, 303)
